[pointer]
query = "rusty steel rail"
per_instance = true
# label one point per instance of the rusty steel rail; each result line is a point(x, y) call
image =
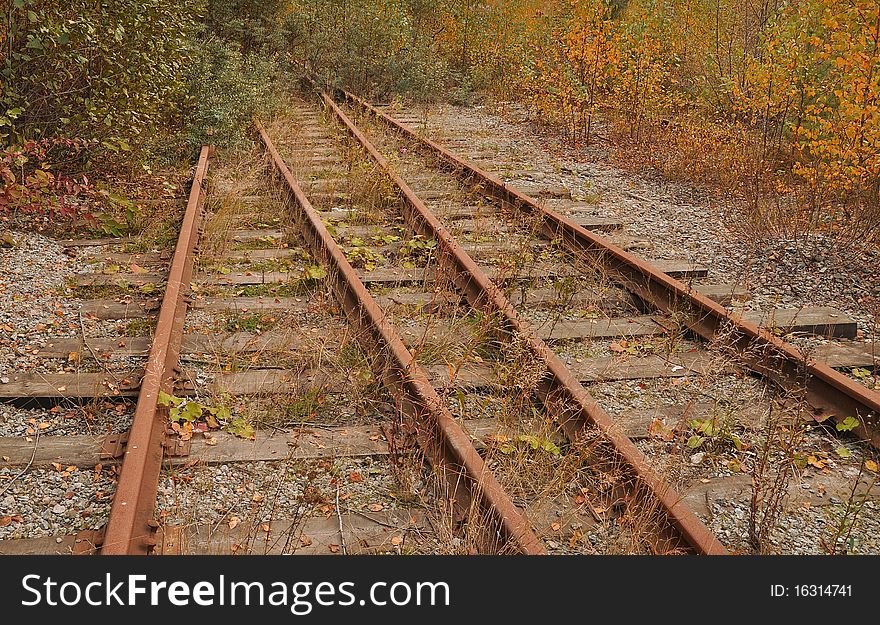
point(678, 528)
point(471, 484)
point(830, 393)
point(131, 526)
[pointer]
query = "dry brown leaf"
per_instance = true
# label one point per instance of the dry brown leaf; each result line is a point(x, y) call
point(555, 527)
point(305, 540)
point(354, 476)
point(377, 507)
point(258, 497)
point(396, 540)
point(334, 548)
point(233, 522)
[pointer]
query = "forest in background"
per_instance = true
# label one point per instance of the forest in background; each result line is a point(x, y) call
point(771, 103)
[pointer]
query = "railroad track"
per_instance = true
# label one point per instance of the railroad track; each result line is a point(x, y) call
point(428, 336)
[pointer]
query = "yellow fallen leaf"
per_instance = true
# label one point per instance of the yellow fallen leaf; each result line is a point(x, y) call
point(815, 462)
point(870, 465)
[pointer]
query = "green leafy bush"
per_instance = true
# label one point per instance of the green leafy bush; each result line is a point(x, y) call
point(228, 88)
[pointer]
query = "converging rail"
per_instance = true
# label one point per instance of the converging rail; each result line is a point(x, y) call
point(830, 393)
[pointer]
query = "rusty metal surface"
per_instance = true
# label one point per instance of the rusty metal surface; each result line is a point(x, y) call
point(830, 393)
point(447, 445)
point(561, 393)
point(130, 530)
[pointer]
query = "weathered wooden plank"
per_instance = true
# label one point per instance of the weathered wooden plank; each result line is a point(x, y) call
point(421, 300)
point(274, 253)
point(599, 328)
point(93, 242)
point(257, 382)
point(108, 309)
point(594, 222)
point(223, 342)
point(819, 320)
point(242, 278)
point(103, 347)
point(76, 450)
point(243, 236)
point(216, 448)
point(59, 386)
point(364, 533)
point(849, 354)
point(44, 546)
point(724, 294)
point(681, 268)
point(245, 304)
point(144, 259)
point(548, 297)
point(605, 369)
point(120, 278)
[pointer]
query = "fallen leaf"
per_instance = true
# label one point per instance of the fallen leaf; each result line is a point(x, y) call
point(555, 527)
point(258, 497)
point(580, 499)
point(5, 520)
point(57, 466)
point(233, 522)
point(354, 476)
point(210, 440)
point(617, 348)
point(377, 507)
point(334, 548)
point(265, 527)
point(305, 540)
point(135, 268)
point(396, 540)
point(870, 465)
point(44, 425)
